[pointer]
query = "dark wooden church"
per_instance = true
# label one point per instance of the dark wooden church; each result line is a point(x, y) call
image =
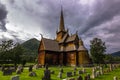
point(64, 50)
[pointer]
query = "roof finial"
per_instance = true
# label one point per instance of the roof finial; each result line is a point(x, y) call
point(67, 30)
point(76, 32)
point(41, 35)
point(57, 31)
point(61, 5)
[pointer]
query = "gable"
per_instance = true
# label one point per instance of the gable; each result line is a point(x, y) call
point(41, 47)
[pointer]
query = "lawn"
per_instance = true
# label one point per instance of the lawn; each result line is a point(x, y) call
point(39, 72)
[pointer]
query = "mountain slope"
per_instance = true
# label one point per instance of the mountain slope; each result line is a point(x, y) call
point(116, 53)
point(31, 45)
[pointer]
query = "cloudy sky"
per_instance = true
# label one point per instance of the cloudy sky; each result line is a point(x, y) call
point(21, 20)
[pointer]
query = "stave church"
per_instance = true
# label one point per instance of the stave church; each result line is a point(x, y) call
point(66, 49)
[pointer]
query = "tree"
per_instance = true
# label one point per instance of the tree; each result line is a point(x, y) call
point(108, 58)
point(97, 49)
point(17, 52)
point(5, 50)
point(10, 52)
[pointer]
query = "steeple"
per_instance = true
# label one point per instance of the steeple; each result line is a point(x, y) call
point(61, 31)
point(61, 26)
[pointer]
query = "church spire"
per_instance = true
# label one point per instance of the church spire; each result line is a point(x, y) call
point(61, 27)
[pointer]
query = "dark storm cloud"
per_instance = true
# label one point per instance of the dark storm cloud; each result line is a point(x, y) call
point(99, 18)
point(101, 12)
point(3, 16)
point(76, 15)
point(48, 17)
point(11, 1)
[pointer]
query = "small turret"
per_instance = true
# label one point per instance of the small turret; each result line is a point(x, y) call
point(81, 46)
point(81, 43)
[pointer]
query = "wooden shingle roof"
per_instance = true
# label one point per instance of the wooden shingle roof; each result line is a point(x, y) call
point(50, 45)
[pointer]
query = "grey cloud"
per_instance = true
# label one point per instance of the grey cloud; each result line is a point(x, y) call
point(89, 20)
point(74, 14)
point(16, 36)
point(108, 32)
point(3, 16)
point(102, 11)
point(12, 1)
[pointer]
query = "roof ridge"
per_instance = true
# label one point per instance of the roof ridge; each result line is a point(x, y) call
point(49, 39)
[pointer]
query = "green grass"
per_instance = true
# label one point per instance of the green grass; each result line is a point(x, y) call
point(39, 72)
